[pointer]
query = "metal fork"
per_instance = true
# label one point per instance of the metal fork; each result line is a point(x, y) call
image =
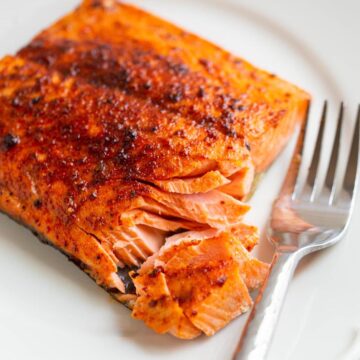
point(304, 219)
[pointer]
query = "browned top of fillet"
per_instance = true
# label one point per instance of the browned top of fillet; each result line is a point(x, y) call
point(111, 96)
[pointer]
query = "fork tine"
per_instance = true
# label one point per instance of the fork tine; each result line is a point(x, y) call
point(331, 171)
point(352, 164)
point(313, 169)
point(291, 182)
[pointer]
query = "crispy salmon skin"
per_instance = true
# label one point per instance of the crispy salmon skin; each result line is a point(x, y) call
point(130, 144)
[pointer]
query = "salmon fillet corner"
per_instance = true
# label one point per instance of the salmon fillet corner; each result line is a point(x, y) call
point(130, 144)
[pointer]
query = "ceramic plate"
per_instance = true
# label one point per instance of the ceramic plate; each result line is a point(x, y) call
point(51, 310)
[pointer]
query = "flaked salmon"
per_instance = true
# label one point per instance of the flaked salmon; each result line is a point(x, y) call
point(204, 279)
point(200, 184)
point(130, 145)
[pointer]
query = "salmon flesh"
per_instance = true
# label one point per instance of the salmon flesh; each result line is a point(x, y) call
point(130, 145)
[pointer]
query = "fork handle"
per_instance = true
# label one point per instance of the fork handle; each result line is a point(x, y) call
point(258, 332)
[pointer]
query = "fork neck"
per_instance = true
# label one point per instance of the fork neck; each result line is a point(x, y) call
point(258, 332)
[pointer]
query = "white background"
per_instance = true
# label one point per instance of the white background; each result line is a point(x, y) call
point(50, 310)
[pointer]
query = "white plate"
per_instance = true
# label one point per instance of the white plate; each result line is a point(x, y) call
point(50, 310)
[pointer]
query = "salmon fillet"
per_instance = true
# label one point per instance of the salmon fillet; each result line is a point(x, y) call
point(127, 142)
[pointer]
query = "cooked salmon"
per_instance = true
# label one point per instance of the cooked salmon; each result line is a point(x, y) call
point(203, 279)
point(130, 144)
